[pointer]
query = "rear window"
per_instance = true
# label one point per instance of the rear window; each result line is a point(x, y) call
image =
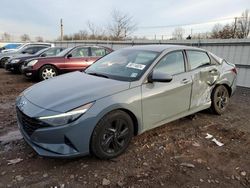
point(197, 59)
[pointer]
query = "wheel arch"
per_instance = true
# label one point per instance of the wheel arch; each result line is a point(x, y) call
point(229, 89)
point(134, 119)
point(127, 111)
point(47, 65)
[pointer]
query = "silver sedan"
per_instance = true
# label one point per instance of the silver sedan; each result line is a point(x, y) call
point(123, 94)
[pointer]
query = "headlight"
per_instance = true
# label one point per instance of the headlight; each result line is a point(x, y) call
point(15, 61)
point(67, 117)
point(32, 63)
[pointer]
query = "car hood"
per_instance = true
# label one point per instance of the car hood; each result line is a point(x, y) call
point(20, 56)
point(72, 90)
point(7, 54)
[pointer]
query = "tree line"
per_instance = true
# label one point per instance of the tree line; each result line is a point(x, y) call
point(240, 29)
point(122, 25)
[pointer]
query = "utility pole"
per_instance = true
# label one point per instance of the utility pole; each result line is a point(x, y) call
point(235, 25)
point(61, 23)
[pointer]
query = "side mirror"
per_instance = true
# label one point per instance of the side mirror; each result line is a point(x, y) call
point(156, 76)
point(43, 55)
point(69, 56)
point(24, 52)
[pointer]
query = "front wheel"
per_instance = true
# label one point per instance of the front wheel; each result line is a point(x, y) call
point(47, 72)
point(220, 99)
point(112, 135)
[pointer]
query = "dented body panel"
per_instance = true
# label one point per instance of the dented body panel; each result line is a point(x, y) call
point(149, 103)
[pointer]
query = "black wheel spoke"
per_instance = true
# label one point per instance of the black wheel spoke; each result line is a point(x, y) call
point(123, 133)
point(118, 125)
point(107, 142)
point(117, 145)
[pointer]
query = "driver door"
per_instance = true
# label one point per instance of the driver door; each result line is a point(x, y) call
point(162, 101)
point(78, 60)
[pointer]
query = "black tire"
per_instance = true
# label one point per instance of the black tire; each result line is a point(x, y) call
point(51, 72)
point(220, 99)
point(112, 135)
point(2, 62)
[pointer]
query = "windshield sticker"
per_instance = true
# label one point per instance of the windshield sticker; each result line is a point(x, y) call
point(136, 66)
point(133, 75)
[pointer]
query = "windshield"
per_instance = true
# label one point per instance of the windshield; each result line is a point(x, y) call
point(64, 52)
point(125, 64)
point(11, 46)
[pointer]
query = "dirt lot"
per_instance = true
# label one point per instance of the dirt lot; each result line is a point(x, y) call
point(174, 155)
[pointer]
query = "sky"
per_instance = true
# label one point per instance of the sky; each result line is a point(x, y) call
point(42, 17)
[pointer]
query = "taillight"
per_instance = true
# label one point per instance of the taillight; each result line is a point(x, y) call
point(234, 70)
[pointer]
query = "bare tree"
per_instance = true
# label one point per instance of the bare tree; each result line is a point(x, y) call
point(216, 31)
point(93, 29)
point(244, 25)
point(83, 34)
point(25, 37)
point(39, 39)
point(6, 36)
point(122, 25)
point(178, 33)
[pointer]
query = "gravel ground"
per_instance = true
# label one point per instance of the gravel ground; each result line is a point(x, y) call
point(174, 155)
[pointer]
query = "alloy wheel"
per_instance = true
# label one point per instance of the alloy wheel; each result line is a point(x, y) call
point(48, 73)
point(115, 136)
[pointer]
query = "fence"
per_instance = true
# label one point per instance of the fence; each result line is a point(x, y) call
point(236, 51)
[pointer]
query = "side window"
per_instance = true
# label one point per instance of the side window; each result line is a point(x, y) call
point(98, 52)
point(50, 52)
point(197, 59)
point(29, 50)
point(172, 63)
point(80, 52)
point(36, 49)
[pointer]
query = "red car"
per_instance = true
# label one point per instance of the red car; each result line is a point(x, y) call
point(70, 59)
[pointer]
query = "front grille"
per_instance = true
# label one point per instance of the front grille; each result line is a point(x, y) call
point(29, 124)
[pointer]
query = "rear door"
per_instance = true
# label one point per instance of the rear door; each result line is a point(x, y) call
point(204, 75)
point(78, 59)
point(163, 101)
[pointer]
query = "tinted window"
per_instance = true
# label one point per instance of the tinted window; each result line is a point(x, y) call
point(80, 52)
point(197, 59)
point(52, 52)
point(29, 50)
point(172, 63)
point(99, 52)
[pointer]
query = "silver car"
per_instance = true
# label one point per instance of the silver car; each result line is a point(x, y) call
point(123, 94)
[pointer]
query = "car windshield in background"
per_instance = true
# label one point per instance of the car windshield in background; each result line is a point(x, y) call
point(64, 52)
point(125, 64)
point(12, 46)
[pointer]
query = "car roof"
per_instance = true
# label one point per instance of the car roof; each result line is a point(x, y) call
point(162, 47)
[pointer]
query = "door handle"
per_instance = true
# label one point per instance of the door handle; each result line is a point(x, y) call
point(185, 81)
point(213, 71)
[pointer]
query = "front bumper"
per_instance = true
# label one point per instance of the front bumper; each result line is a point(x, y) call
point(11, 66)
point(66, 141)
point(29, 72)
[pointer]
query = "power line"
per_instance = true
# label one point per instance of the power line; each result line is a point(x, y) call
point(178, 25)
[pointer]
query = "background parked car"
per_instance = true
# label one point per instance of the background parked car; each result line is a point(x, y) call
point(29, 49)
point(24, 45)
point(10, 46)
point(14, 64)
point(71, 59)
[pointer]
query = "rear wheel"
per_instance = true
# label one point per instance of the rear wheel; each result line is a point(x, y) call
point(47, 72)
point(112, 135)
point(220, 99)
